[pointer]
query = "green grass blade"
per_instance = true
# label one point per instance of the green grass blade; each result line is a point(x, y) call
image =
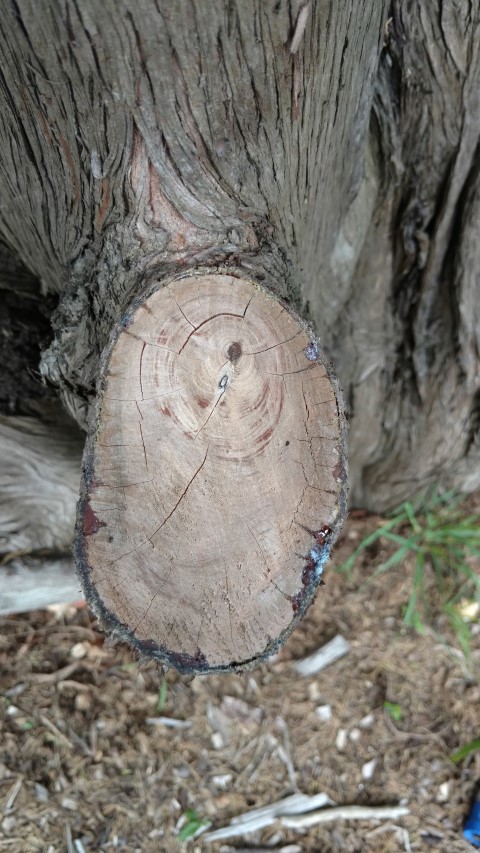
point(400, 540)
point(409, 511)
point(462, 753)
point(418, 589)
point(396, 558)
point(348, 565)
point(162, 696)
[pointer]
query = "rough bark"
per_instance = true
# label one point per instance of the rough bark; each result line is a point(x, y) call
point(40, 476)
point(165, 137)
point(338, 164)
point(406, 321)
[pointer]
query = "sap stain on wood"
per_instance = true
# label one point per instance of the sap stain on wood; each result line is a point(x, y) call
point(91, 524)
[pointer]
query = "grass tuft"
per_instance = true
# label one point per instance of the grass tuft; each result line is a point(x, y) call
point(443, 543)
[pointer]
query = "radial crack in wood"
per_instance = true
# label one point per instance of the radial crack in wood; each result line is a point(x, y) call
point(214, 475)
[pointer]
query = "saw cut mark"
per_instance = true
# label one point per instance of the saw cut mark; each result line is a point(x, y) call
point(207, 478)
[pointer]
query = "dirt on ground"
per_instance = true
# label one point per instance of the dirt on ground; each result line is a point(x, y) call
point(88, 763)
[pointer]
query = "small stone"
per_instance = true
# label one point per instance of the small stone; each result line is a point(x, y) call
point(443, 793)
point(355, 735)
point(341, 740)
point(156, 833)
point(41, 793)
point(182, 772)
point(79, 651)
point(8, 823)
point(217, 740)
point(82, 701)
point(16, 690)
point(222, 782)
point(367, 721)
point(368, 769)
point(69, 804)
point(314, 691)
point(324, 713)
point(12, 711)
point(468, 610)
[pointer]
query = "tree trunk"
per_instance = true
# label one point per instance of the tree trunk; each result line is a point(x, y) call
point(328, 151)
point(40, 465)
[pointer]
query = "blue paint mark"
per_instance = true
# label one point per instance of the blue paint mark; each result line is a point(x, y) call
point(312, 351)
point(319, 556)
point(315, 562)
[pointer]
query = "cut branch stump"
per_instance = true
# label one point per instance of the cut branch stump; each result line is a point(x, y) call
point(214, 479)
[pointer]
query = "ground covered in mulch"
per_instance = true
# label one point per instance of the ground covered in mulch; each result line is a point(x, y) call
point(85, 764)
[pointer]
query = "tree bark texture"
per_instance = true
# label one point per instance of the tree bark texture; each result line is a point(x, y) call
point(329, 150)
point(40, 478)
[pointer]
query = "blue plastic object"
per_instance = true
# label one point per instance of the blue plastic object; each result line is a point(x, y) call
point(471, 828)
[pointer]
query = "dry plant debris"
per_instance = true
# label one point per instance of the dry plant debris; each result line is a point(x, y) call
point(92, 759)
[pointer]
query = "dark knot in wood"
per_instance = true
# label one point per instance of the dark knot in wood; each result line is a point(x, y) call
point(234, 352)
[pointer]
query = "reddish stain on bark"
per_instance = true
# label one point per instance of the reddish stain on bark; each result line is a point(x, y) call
point(188, 662)
point(71, 165)
point(91, 524)
point(202, 402)
point(45, 126)
point(313, 569)
point(104, 205)
point(166, 411)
